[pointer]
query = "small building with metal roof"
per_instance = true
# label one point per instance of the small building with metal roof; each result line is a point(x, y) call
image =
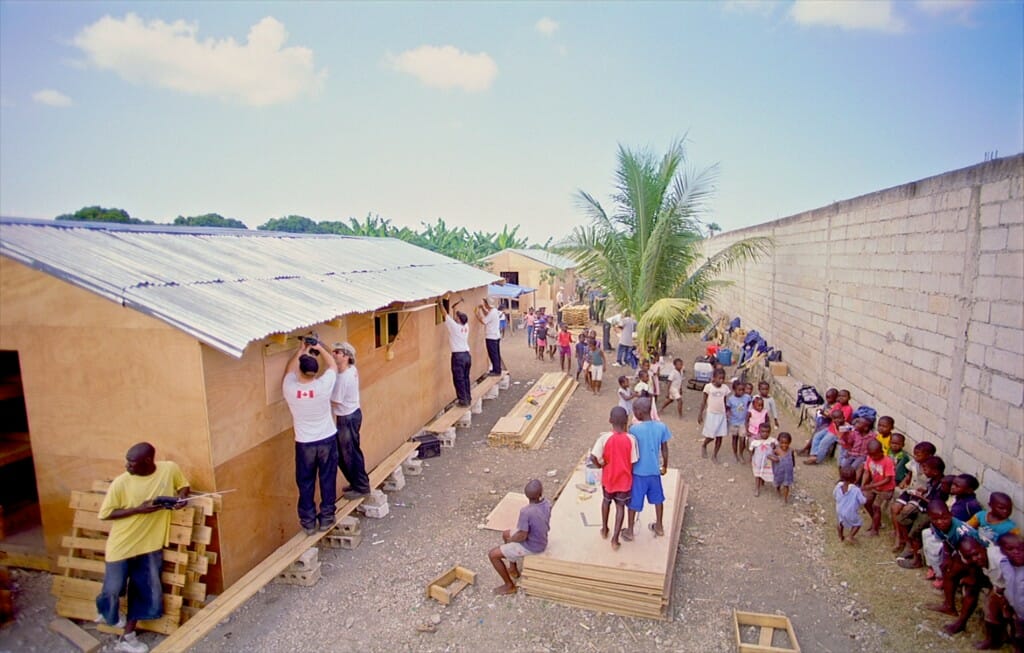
point(111, 334)
point(535, 268)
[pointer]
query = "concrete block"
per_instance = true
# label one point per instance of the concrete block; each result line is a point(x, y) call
point(1008, 315)
point(981, 311)
point(1015, 238)
point(492, 393)
point(412, 467)
point(396, 481)
point(349, 525)
point(375, 512)
point(447, 438)
point(465, 421)
point(306, 578)
point(990, 215)
point(506, 382)
point(988, 288)
point(1009, 264)
point(981, 333)
point(1012, 212)
point(994, 239)
point(995, 481)
point(375, 498)
point(310, 559)
point(1012, 289)
point(997, 191)
point(342, 541)
point(1008, 390)
point(477, 407)
point(1010, 363)
point(1004, 439)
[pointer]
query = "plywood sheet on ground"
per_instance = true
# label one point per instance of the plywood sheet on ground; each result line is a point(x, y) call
point(506, 513)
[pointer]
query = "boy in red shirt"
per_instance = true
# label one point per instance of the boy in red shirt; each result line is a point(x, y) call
point(879, 483)
point(616, 463)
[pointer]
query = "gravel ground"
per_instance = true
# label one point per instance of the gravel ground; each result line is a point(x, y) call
point(736, 552)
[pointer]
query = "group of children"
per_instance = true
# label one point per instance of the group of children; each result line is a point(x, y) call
point(748, 419)
point(937, 520)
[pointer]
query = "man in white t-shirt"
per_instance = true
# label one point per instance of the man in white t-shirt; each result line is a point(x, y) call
point(349, 419)
point(458, 340)
point(627, 326)
point(488, 316)
point(316, 444)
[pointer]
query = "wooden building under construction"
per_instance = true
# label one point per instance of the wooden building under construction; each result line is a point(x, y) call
point(112, 334)
point(535, 268)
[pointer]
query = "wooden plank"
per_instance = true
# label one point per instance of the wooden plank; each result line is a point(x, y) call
point(536, 440)
point(248, 585)
point(509, 424)
point(24, 557)
point(99, 567)
point(455, 413)
point(764, 638)
point(505, 514)
point(11, 451)
point(82, 640)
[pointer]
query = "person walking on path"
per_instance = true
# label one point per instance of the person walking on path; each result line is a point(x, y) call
point(134, 555)
point(489, 316)
point(458, 339)
point(316, 442)
point(349, 416)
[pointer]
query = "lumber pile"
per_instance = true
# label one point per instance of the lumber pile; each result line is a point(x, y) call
point(580, 569)
point(530, 420)
point(576, 315)
point(186, 560)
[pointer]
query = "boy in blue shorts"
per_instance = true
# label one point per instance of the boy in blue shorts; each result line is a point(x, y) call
point(651, 439)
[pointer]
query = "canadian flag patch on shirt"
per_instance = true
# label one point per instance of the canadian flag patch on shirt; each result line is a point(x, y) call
point(304, 394)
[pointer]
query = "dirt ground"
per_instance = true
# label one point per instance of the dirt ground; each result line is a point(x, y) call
point(736, 552)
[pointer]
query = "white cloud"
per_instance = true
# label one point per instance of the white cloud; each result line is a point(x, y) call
point(259, 72)
point(546, 26)
point(447, 67)
point(51, 98)
point(958, 10)
point(847, 14)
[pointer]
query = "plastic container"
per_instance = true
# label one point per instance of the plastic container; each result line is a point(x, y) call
point(702, 372)
point(725, 356)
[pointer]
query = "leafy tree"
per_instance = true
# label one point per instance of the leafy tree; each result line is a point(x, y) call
point(648, 252)
point(100, 214)
point(209, 220)
point(295, 224)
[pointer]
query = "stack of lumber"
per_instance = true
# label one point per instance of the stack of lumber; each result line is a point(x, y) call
point(530, 420)
point(581, 569)
point(576, 315)
point(186, 560)
point(448, 418)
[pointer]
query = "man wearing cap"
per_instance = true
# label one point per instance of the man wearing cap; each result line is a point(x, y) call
point(345, 405)
point(316, 447)
point(458, 340)
point(488, 316)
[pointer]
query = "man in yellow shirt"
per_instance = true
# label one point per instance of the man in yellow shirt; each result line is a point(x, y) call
point(140, 531)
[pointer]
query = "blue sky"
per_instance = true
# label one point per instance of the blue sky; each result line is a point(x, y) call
point(484, 113)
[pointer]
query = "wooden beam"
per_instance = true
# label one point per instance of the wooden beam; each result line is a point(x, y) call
point(82, 640)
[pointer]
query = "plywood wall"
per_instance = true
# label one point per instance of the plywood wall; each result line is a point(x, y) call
point(529, 275)
point(97, 379)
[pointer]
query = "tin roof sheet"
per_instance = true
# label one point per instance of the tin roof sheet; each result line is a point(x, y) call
point(230, 287)
point(541, 255)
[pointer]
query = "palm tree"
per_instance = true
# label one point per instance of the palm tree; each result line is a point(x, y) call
point(648, 253)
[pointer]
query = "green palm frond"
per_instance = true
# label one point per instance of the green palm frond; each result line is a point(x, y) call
point(700, 282)
point(669, 314)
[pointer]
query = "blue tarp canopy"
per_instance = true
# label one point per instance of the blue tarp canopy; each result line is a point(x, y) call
point(508, 290)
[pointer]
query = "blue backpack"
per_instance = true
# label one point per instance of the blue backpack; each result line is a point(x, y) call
point(867, 412)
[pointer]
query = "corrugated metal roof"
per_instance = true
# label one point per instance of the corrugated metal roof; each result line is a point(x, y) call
point(230, 287)
point(542, 256)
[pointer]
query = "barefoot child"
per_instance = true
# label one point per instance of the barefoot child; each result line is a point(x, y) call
point(652, 440)
point(643, 389)
point(914, 518)
point(884, 434)
point(1012, 566)
point(995, 522)
point(596, 367)
point(764, 390)
point(879, 483)
point(966, 504)
point(540, 336)
point(738, 404)
point(675, 387)
point(582, 349)
point(565, 349)
point(616, 458)
point(761, 448)
point(783, 462)
point(757, 415)
point(529, 537)
point(914, 477)
point(849, 499)
point(625, 395)
point(712, 413)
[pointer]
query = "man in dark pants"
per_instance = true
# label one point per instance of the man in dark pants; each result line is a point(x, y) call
point(489, 316)
point(316, 447)
point(345, 405)
point(458, 339)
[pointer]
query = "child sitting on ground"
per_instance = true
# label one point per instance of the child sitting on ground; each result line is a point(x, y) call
point(675, 387)
point(1012, 567)
point(762, 447)
point(849, 499)
point(966, 503)
point(615, 459)
point(884, 434)
point(737, 404)
point(914, 517)
point(914, 478)
point(783, 462)
point(856, 441)
point(995, 522)
point(879, 482)
point(950, 532)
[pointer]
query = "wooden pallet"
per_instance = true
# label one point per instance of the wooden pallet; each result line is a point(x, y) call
point(448, 419)
point(530, 421)
point(577, 315)
point(248, 585)
point(580, 569)
point(444, 588)
point(766, 624)
point(186, 560)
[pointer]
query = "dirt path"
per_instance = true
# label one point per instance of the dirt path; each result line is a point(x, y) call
point(736, 551)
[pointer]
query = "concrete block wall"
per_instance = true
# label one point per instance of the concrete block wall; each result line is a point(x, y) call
point(913, 298)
